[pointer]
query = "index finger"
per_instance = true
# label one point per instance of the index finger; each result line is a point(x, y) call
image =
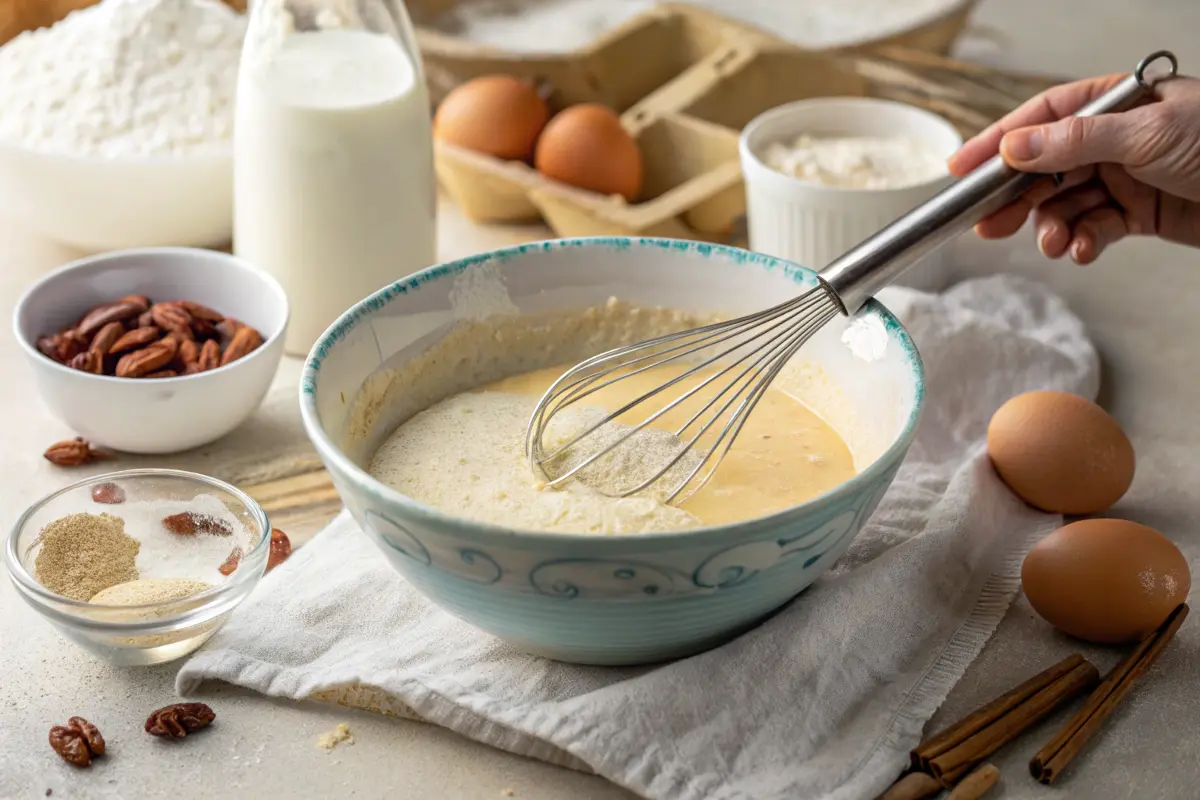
point(1049, 106)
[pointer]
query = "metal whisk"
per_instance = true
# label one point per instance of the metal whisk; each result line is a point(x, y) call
point(751, 350)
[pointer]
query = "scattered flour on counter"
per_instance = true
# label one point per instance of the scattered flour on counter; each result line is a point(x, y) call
point(561, 25)
point(124, 78)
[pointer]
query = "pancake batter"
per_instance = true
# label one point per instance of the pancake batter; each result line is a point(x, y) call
point(465, 456)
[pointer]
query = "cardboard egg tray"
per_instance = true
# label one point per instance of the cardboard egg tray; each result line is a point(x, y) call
point(685, 82)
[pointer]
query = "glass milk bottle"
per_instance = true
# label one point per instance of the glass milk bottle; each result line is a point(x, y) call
point(333, 156)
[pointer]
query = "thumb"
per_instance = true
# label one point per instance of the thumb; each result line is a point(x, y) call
point(1071, 143)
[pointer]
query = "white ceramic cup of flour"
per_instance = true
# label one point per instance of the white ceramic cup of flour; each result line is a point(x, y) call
point(811, 224)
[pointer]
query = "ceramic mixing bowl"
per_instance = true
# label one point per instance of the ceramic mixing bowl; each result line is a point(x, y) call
point(619, 599)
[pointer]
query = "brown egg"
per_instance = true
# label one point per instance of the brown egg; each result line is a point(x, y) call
point(1105, 580)
point(587, 147)
point(499, 115)
point(1060, 452)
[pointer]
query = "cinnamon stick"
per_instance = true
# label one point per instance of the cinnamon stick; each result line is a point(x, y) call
point(913, 786)
point(1051, 760)
point(976, 784)
point(952, 765)
point(987, 715)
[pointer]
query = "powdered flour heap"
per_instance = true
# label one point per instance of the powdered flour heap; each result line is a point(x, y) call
point(124, 78)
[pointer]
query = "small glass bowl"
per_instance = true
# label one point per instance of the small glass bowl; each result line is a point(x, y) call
point(140, 635)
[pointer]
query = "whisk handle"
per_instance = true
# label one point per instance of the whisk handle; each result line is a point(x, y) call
point(874, 263)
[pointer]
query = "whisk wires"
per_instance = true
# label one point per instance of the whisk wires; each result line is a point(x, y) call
point(738, 359)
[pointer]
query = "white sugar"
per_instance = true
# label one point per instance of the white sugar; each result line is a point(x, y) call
point(164, 554)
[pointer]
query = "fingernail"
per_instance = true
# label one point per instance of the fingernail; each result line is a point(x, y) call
point(1043, 236)
point(1077, 251)
point(1024, 146)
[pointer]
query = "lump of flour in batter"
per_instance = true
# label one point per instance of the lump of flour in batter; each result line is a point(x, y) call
point(636, 457)
point(466, 456)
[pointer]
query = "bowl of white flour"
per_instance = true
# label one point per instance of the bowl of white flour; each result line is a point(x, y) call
point(116, 124)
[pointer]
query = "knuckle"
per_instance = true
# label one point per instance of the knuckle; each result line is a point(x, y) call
point(1077, 130)
point(1162, 116)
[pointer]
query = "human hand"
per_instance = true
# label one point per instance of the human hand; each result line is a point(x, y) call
point(1134, 173)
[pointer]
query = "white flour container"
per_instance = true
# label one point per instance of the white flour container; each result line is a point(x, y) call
point(812, 224)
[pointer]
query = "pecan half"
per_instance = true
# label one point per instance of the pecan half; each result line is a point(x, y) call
point(189, 523)
point(73, 453)
point(138, 337)
point(162, 373)
point(210, 356)
point(70, 344)
point(140, 299)
point(281, 548)
point(88, 361)
point(227, 329)
point(91, 734)
point(62, 346)
point(106, 337)
point(149, 359)
point(189, 353)
point(48, 345)
point(77, 741)
point(245, 341)
point(101, 315)
point(172, 317)
point(231, 562)
point(108, 493)
point(201, 312)
point(177, 721)
point(204, 329)
point(145, 320)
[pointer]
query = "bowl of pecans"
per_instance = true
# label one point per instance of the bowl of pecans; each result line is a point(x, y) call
point(141, 566)
point(154, 350)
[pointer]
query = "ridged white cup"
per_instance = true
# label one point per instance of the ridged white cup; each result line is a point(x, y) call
point(811, 224)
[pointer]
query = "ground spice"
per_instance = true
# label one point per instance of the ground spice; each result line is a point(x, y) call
point(149, 590)
point(153, 590)
point(82, 554)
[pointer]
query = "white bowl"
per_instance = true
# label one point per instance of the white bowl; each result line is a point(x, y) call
point(811, 224)
point(111, 203)
point(164, 415)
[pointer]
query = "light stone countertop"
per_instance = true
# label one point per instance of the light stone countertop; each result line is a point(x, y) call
point(1139, 303)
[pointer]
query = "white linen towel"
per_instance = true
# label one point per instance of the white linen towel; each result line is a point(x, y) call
point(823, 700)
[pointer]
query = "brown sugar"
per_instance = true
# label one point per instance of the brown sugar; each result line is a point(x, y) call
point(83, 554)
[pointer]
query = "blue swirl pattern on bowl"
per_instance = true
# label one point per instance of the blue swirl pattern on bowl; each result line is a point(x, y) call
point(590, 598)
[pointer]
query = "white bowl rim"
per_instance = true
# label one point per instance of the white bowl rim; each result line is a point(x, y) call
point(269, 280)
point(484, 531)
point(765, 172)
point(929, 17)
point(30, 585)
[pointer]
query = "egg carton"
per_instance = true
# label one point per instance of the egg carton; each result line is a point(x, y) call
point(685, 82)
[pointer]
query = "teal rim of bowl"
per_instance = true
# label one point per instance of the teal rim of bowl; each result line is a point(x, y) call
point(803, 276)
